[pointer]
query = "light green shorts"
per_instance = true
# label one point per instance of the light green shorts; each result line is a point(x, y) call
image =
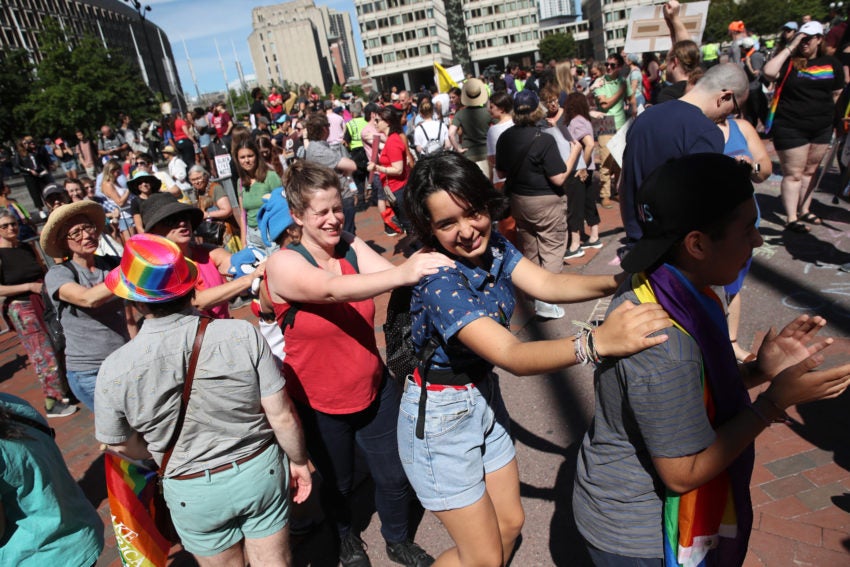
point(213, 512)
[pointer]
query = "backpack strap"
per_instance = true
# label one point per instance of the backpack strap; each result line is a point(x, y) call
point(343, 248)
point(62, 304)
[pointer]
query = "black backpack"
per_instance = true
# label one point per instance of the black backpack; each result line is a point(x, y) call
point(402, 358)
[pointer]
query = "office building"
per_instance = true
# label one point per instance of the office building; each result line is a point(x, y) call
point(298, 42)
point(609, 23)
point(116, 24)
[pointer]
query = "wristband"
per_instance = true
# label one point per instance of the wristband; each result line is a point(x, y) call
point(767, 422)
point(783, 418)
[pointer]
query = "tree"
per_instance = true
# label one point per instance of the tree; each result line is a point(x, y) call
point(81, 86)
point(15, 86)
point(759, 16)
point(557, 46)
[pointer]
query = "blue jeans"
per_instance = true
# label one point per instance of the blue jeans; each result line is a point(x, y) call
point(467, 436)
point(331, 442)
point(400, 213)
point(82, 383)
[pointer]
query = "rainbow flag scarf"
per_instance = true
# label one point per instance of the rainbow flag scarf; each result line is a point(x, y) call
point(774, 103)
point(131, 490)
point(716, 517)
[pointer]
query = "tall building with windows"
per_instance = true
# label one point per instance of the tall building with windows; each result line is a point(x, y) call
point(118, 26)
point(298, 42)
point(609, 23)
point(403, 38)
point(550, 9)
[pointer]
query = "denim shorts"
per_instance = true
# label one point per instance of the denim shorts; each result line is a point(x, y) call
point(467, 435)
point(213, 512)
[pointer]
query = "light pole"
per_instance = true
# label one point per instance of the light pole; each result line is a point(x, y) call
point(143, 10)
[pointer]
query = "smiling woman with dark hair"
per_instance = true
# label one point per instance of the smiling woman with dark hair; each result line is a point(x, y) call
point(458, 424)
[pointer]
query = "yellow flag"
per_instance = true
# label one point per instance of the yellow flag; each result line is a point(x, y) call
point(443, 80)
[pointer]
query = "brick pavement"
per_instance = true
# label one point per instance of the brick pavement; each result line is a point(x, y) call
point(801, 483)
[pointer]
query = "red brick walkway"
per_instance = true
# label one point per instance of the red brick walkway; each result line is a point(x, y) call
point(801, 485)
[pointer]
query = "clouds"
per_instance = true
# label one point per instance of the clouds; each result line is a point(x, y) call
point(201, 22)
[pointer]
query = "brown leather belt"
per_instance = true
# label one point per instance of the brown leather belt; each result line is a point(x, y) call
point(226, 466)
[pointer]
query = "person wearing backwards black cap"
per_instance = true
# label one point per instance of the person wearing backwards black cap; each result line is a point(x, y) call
point(678, 415)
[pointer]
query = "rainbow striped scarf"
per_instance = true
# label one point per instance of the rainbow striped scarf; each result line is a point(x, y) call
point(774, 103)
point(716, 517)
point(131, 495)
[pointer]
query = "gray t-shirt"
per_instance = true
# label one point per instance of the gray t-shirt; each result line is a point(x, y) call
point(647, 405)
point(91, 334)
point(140, 385)
point(321, 152)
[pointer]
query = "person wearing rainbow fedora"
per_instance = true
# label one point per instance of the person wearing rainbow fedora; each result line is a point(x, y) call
point(227, 483)
point(94, 321)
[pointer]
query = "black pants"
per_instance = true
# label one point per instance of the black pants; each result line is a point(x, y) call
point(581, 203)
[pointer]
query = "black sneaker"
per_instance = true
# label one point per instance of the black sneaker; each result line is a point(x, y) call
point(389, 231)
point(409, 554)
point(352, 552)
point(60, 410)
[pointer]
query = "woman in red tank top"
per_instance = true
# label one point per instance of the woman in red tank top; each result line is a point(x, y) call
point(333, 369)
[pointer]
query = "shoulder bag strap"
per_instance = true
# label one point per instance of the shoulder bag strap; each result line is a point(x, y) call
point(203, 322)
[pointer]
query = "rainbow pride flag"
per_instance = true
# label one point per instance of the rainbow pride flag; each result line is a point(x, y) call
point(131, 488)
point(695, 521)
point(817, 73)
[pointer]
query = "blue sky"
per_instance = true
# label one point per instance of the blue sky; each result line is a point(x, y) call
point(201, 22)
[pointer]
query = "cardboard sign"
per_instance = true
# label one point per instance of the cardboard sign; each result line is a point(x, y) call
point(222, 165)
point(649, 32)
point(603, 126)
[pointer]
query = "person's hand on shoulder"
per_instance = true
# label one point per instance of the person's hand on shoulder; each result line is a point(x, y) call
point(628, 329)
point(421, 264)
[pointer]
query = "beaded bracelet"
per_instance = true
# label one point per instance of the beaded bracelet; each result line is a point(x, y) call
point(585, 347)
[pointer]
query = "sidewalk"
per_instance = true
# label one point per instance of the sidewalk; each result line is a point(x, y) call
point(801, 483)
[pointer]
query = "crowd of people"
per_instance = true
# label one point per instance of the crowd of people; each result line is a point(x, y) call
point(495, 185)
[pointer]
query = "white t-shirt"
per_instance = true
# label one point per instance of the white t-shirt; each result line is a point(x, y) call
point(430, 131)
point(492, 137)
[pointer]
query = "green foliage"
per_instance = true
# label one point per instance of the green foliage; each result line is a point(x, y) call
point(557, 46)
point(760, 16)
point(15, 85)
point(82, 86)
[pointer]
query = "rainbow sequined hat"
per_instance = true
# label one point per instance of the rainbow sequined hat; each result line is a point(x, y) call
point(152, 270)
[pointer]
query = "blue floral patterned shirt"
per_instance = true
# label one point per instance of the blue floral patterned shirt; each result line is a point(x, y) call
point(444, 303)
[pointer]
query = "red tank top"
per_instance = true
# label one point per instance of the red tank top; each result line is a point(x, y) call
point(332, 361)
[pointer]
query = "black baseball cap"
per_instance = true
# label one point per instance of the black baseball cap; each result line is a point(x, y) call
point(685, 194)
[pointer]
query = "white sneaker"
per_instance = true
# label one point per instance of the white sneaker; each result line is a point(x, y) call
point(547, 310)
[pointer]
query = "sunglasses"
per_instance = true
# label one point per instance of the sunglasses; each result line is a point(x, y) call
point(77, 234)
point(142, 163)
point(735, 106)
point(6, 225)
point(174, 221)
point(808, 38)
point(610, 65)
